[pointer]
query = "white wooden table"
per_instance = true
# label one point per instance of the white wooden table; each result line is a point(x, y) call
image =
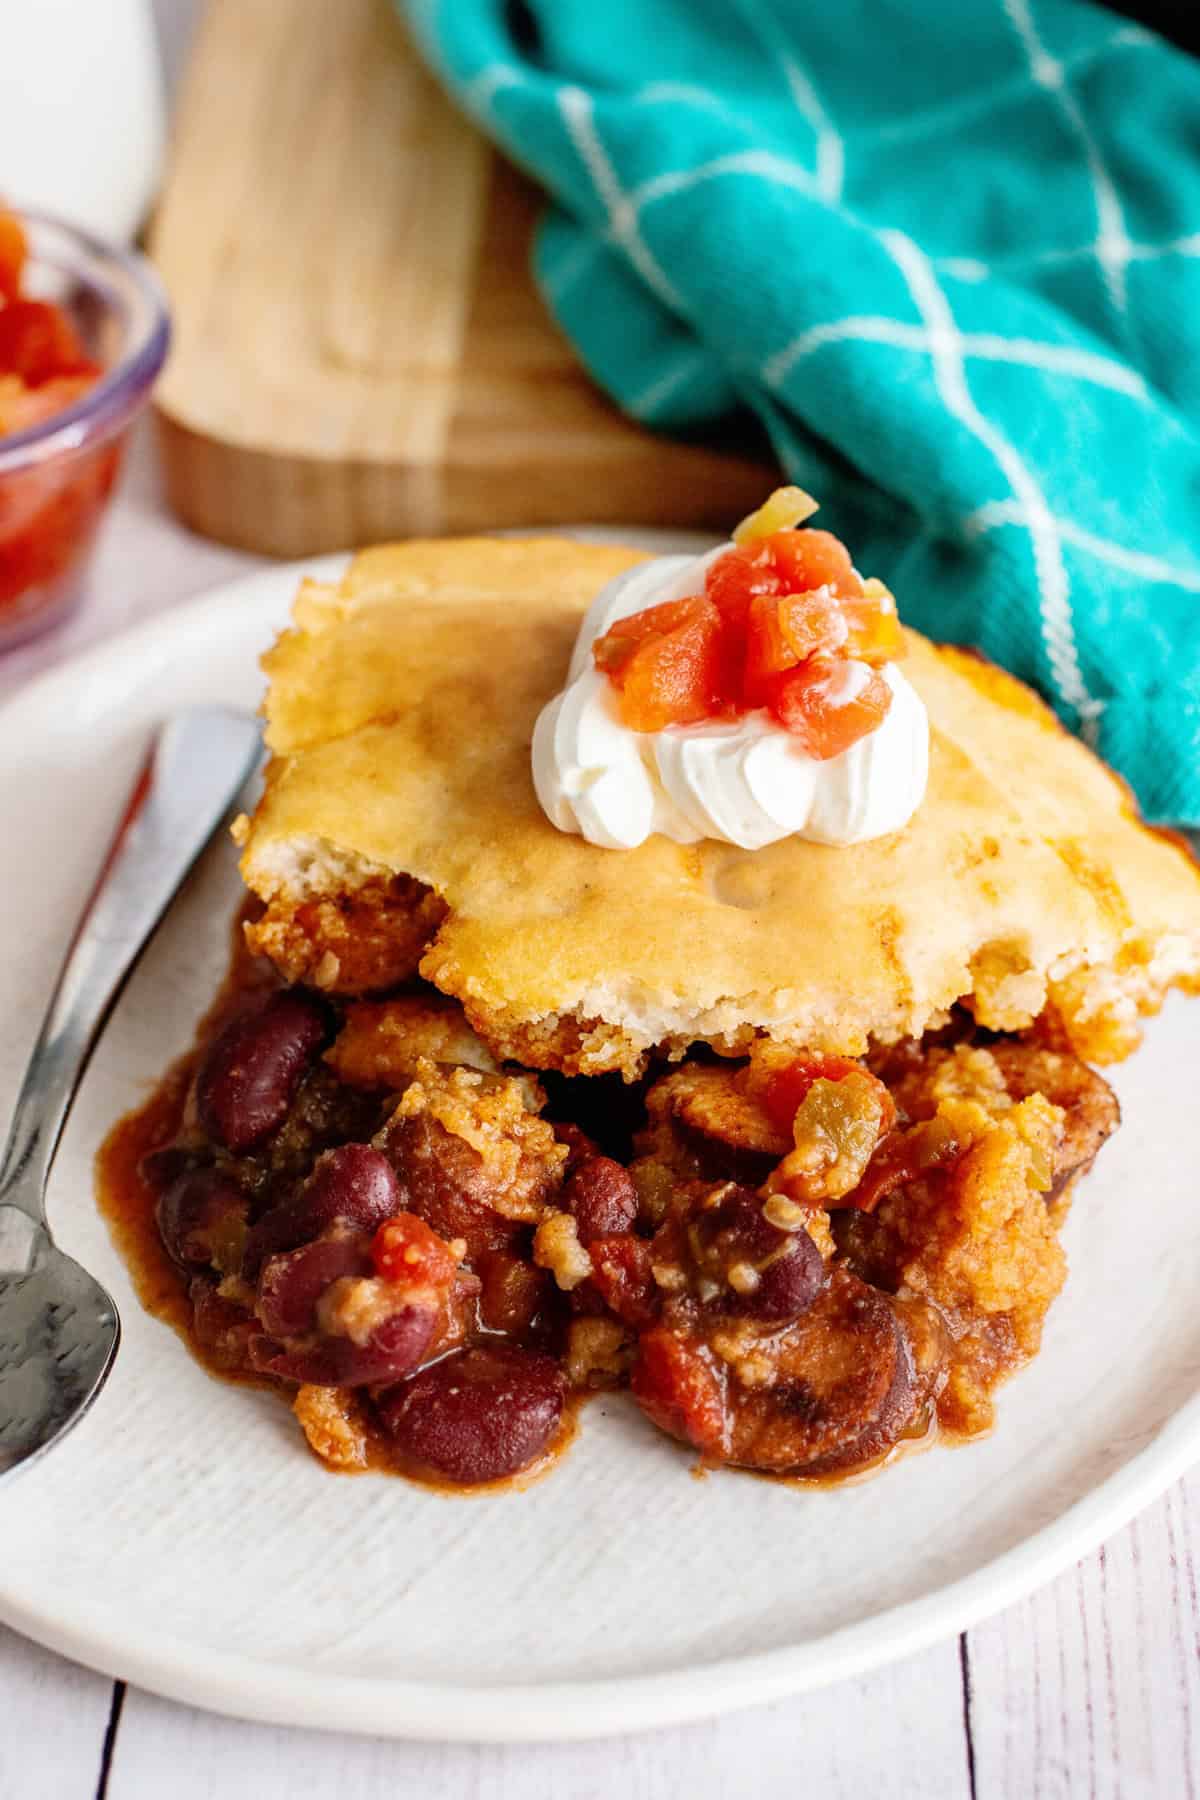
point(1090, 1688)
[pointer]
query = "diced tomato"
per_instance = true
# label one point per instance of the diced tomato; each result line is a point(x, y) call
point(807, 703)
point(732, 583)
point(22, 407)
point(778, 616)
point(676, 1383)
point(611, 652)
point(731, 657)
point(733, 580)
point(38, 342)
point(784, 1091)
point(406, 1249)
point(785, 630)
point(622, 1276)
point(13, 251)
point(812, 624)
point(48, 518)
point(811, 559)
point(874, 634)
point(769, 649)
point(903, 1156)
point(49, 510)
point(675, 677)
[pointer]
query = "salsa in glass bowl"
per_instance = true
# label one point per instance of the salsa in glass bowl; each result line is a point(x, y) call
point(83, 334)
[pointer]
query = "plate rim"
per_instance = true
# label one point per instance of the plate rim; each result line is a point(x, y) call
point(281, 1693)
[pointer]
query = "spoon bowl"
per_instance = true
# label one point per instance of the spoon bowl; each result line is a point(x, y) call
point(59, 1329)
point(59, 1333)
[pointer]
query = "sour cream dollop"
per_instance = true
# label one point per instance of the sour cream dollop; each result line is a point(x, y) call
point(744, 782)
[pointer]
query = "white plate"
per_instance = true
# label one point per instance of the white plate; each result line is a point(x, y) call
point(183, 1538)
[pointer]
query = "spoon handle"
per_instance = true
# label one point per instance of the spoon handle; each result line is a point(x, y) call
point(195, 768)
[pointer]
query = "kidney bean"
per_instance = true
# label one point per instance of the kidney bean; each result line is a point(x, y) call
point(223, 1331)
point(762, 1272)
point(251, 1070)
point(161, 1167)
point(393, 1350)
point(513, 1292)
point(291, 1283)
point(788, 1286)
point(717, 1160)
point(478, 1414)
point(602, 1197)
point(353, 1182)
point(202, 1211)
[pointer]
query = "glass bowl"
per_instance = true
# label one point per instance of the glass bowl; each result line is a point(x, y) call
point(57, 477)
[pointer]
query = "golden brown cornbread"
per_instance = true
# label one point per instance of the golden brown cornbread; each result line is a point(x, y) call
point(400, 713)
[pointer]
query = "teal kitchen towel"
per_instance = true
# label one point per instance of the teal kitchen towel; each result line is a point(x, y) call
point(950, 255)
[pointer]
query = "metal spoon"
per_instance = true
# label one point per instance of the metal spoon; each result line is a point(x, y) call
point(59, 1329)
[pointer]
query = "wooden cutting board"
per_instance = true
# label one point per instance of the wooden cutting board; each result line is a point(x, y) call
point(359, 348)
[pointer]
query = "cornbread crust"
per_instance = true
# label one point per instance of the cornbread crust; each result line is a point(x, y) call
point(400, 713)
point(363, 941)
